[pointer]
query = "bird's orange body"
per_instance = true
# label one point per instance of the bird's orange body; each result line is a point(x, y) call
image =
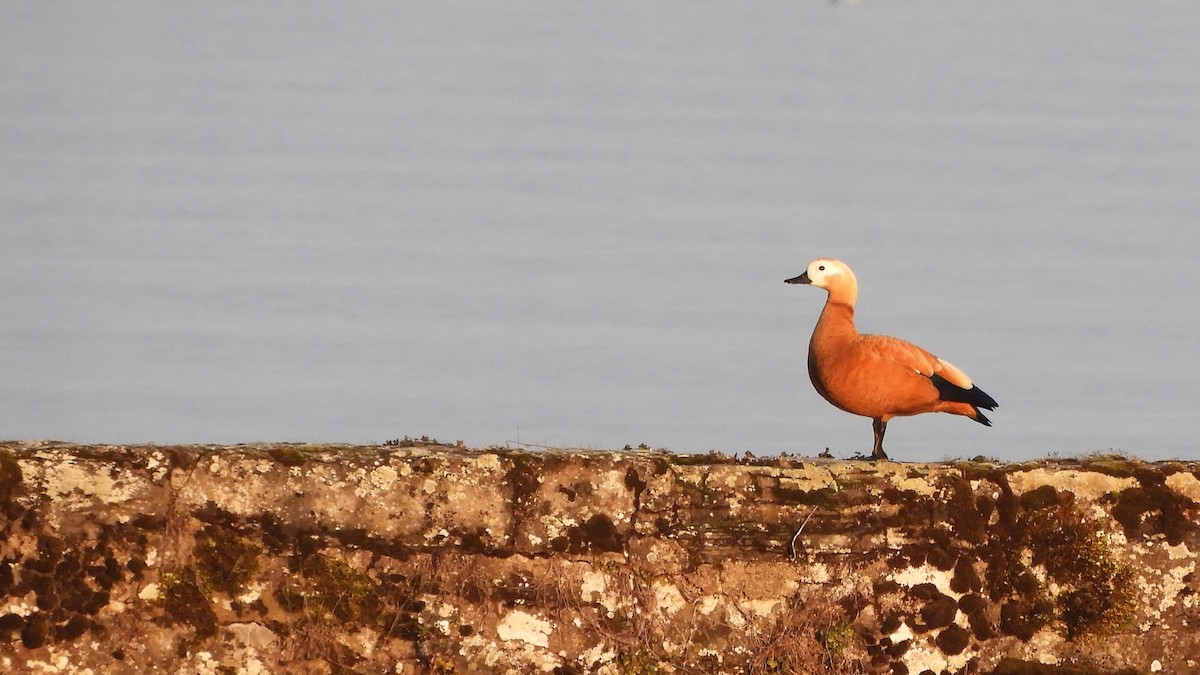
point(878, 376)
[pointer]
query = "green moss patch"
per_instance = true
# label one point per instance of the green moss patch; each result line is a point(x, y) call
point(225, 561)
point(185, 601)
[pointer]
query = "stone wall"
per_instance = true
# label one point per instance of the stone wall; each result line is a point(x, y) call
point(422, 558)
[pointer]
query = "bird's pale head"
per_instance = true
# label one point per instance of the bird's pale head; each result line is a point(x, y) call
point(832, 275)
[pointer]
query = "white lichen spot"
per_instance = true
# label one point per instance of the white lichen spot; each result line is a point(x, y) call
point(429, 486)
point(1155, 666)
point(1046, 644)
point(709, 604)
point(150, 593)
point(488, 462)
point(593, 583)
point(113, 607)
point(760, 608)
point(597, 655)
point(668, 598)
point(383, 478)
point(252, 635)
point(926, 574)
point(457, 494)
point(556, 526)
point(610, 489)
point(206, 665)
point(525, 627)
point(1086, 485)
point(736, 620)
point(57, 664)
point(74, 489)
point(807, 477)
point(672, 648)
point(253, 592)
point(253, 666)
point(1179, 552)
point(1173, 584)
point(818, 573)
point(1185, 484)
point(157, 465)
point(922, 656)
point(443, 626)
point(1040, 573)
point(898, 475)
point(593, 587)
point(25, 607)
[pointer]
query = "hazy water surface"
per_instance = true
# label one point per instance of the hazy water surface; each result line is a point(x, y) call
point(569, 224)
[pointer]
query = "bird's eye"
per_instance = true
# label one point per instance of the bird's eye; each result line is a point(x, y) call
point(822, 268)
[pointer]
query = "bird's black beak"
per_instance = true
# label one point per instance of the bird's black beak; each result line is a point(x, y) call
point(802, 279)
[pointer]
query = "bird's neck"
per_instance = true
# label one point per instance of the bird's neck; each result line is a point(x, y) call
point(844, 292)
point(835, 328)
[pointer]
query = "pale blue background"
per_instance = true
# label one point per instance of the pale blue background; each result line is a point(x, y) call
point(569, 223)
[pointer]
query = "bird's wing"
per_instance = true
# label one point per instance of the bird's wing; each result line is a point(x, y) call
point(903, 353)
point(911, 356)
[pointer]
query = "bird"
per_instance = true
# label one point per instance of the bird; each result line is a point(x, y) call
point(879, 376)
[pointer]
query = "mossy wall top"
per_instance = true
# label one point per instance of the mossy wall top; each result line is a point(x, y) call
point(426, 558)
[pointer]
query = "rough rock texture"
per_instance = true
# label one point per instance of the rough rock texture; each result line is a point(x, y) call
point(421, 558)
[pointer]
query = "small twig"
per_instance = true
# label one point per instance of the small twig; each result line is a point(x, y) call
point(531, 445)
point(795, 536)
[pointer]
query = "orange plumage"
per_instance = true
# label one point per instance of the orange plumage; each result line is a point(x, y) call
point(878, 376)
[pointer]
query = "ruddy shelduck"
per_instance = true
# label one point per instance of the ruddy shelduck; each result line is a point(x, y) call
point(878, 376)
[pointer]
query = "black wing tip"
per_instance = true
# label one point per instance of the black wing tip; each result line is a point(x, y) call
point(952, 392)
point(982, 419)
point(983, 399)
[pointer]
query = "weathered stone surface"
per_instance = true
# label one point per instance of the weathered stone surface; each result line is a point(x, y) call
point(418, 558)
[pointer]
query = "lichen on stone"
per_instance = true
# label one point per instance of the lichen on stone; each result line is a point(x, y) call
point(432, 558)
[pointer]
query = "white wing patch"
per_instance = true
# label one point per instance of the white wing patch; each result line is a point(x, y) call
point(954, 375)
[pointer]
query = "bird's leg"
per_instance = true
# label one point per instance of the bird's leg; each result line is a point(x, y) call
point(879, 426)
